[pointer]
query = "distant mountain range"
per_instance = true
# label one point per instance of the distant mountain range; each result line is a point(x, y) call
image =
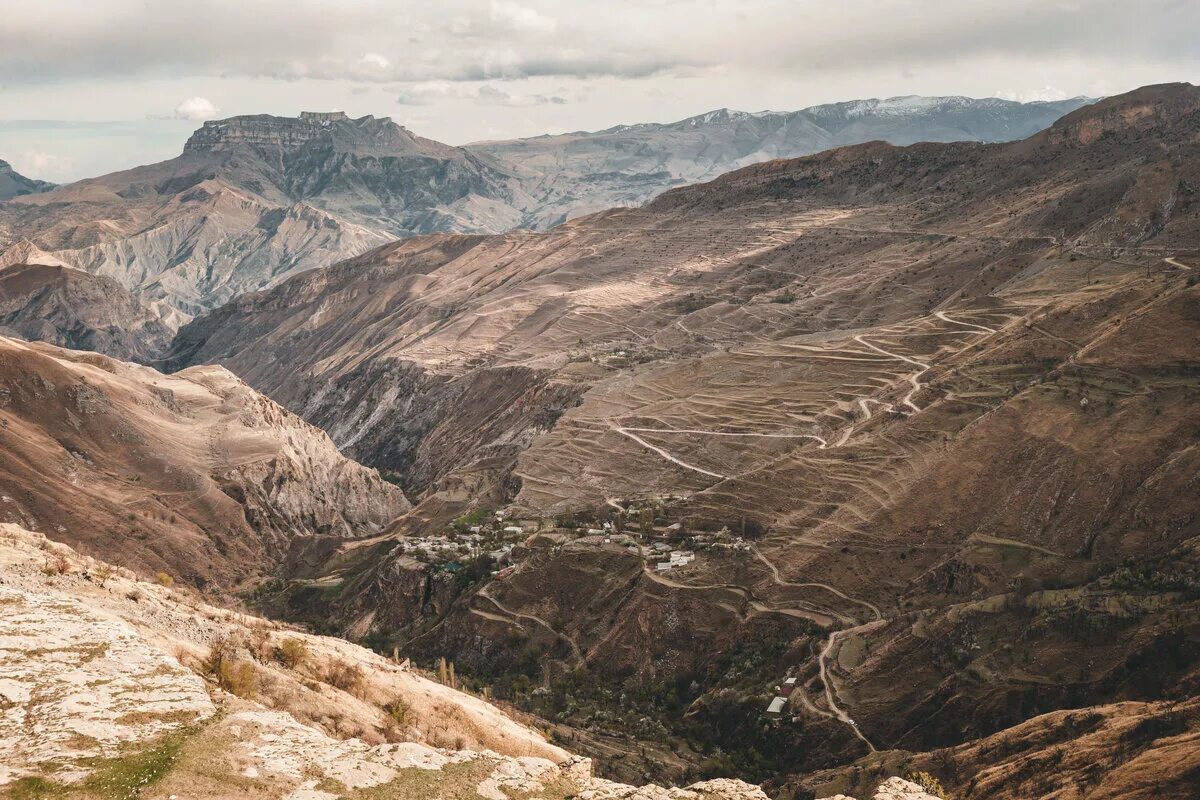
point(14, 184)
point(254, 199)
point(577, 173)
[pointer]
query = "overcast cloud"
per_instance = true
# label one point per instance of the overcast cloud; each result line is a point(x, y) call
point(473, 69)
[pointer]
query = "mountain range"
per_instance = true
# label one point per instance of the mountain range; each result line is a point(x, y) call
point(875, 462)
point(14, 184)
point(255, 199)
point(577, 173)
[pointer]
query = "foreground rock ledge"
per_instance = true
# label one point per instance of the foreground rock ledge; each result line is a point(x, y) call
point(109, 683)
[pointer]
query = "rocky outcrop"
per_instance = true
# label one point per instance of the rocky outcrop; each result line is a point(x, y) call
point(894, 789)
point(66, 307)
point(14, 184)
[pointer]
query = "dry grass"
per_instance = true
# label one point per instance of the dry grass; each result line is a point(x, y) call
point(56, 564)
point(293, 653)
point(346, 676)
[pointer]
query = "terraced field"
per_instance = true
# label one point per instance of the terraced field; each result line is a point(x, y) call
point(939, 402)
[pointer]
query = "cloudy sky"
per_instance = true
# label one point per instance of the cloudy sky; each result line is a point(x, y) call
point(90, 86)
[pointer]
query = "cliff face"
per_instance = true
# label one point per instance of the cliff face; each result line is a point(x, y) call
point(254, 199)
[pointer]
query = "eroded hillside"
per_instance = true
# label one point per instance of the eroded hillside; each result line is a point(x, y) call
point(194, 474)
point(915, 427)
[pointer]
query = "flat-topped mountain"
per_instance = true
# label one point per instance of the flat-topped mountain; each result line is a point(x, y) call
point(254, 199)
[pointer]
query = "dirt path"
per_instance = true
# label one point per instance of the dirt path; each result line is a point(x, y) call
point(814, 437)
point(664, 453)
point(825, 620)
point(1175, 263)
point(779, 580)
point(516, 615)
point(979, 328)
point(982, 537)
point(914, 379)
point(836, 711)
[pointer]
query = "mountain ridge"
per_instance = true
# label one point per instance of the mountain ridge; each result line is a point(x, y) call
point(731, 427)
point(256, 198)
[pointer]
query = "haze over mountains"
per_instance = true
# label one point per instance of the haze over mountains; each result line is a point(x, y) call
point(879, 461)
point(254, 199)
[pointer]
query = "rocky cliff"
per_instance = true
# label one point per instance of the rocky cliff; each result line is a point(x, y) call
point(254, 199)
point(194, 474)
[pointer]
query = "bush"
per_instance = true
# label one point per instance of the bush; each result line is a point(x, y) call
point(163, 579)
point(927, 782)
point(102, 573)
point(292, 653)
point(237, 677)
point(347, 677)
point(232, 674)
point(57, 564)
point(397, 711)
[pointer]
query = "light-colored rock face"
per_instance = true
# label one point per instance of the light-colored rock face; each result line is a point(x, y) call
point(47, 302)
point(894, 789)
point(90, 683)
point(77, 684)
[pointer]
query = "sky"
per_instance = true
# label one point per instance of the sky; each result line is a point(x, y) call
point(91, 86)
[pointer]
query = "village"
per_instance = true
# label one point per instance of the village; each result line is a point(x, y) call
point(637, 527)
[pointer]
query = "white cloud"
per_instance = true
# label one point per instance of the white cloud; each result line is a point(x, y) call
point(521, 18)
point(44, 166)
point(196, 109)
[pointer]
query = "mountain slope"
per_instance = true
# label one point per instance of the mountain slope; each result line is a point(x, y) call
point(14, 184)
point(69, 308)
point(194, 474)
point(576, 173)
point(179, 698)
point(924, 416)
point(253, 199)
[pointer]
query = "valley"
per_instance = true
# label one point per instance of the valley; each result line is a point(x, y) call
point(877, 462)
point(911, 409)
